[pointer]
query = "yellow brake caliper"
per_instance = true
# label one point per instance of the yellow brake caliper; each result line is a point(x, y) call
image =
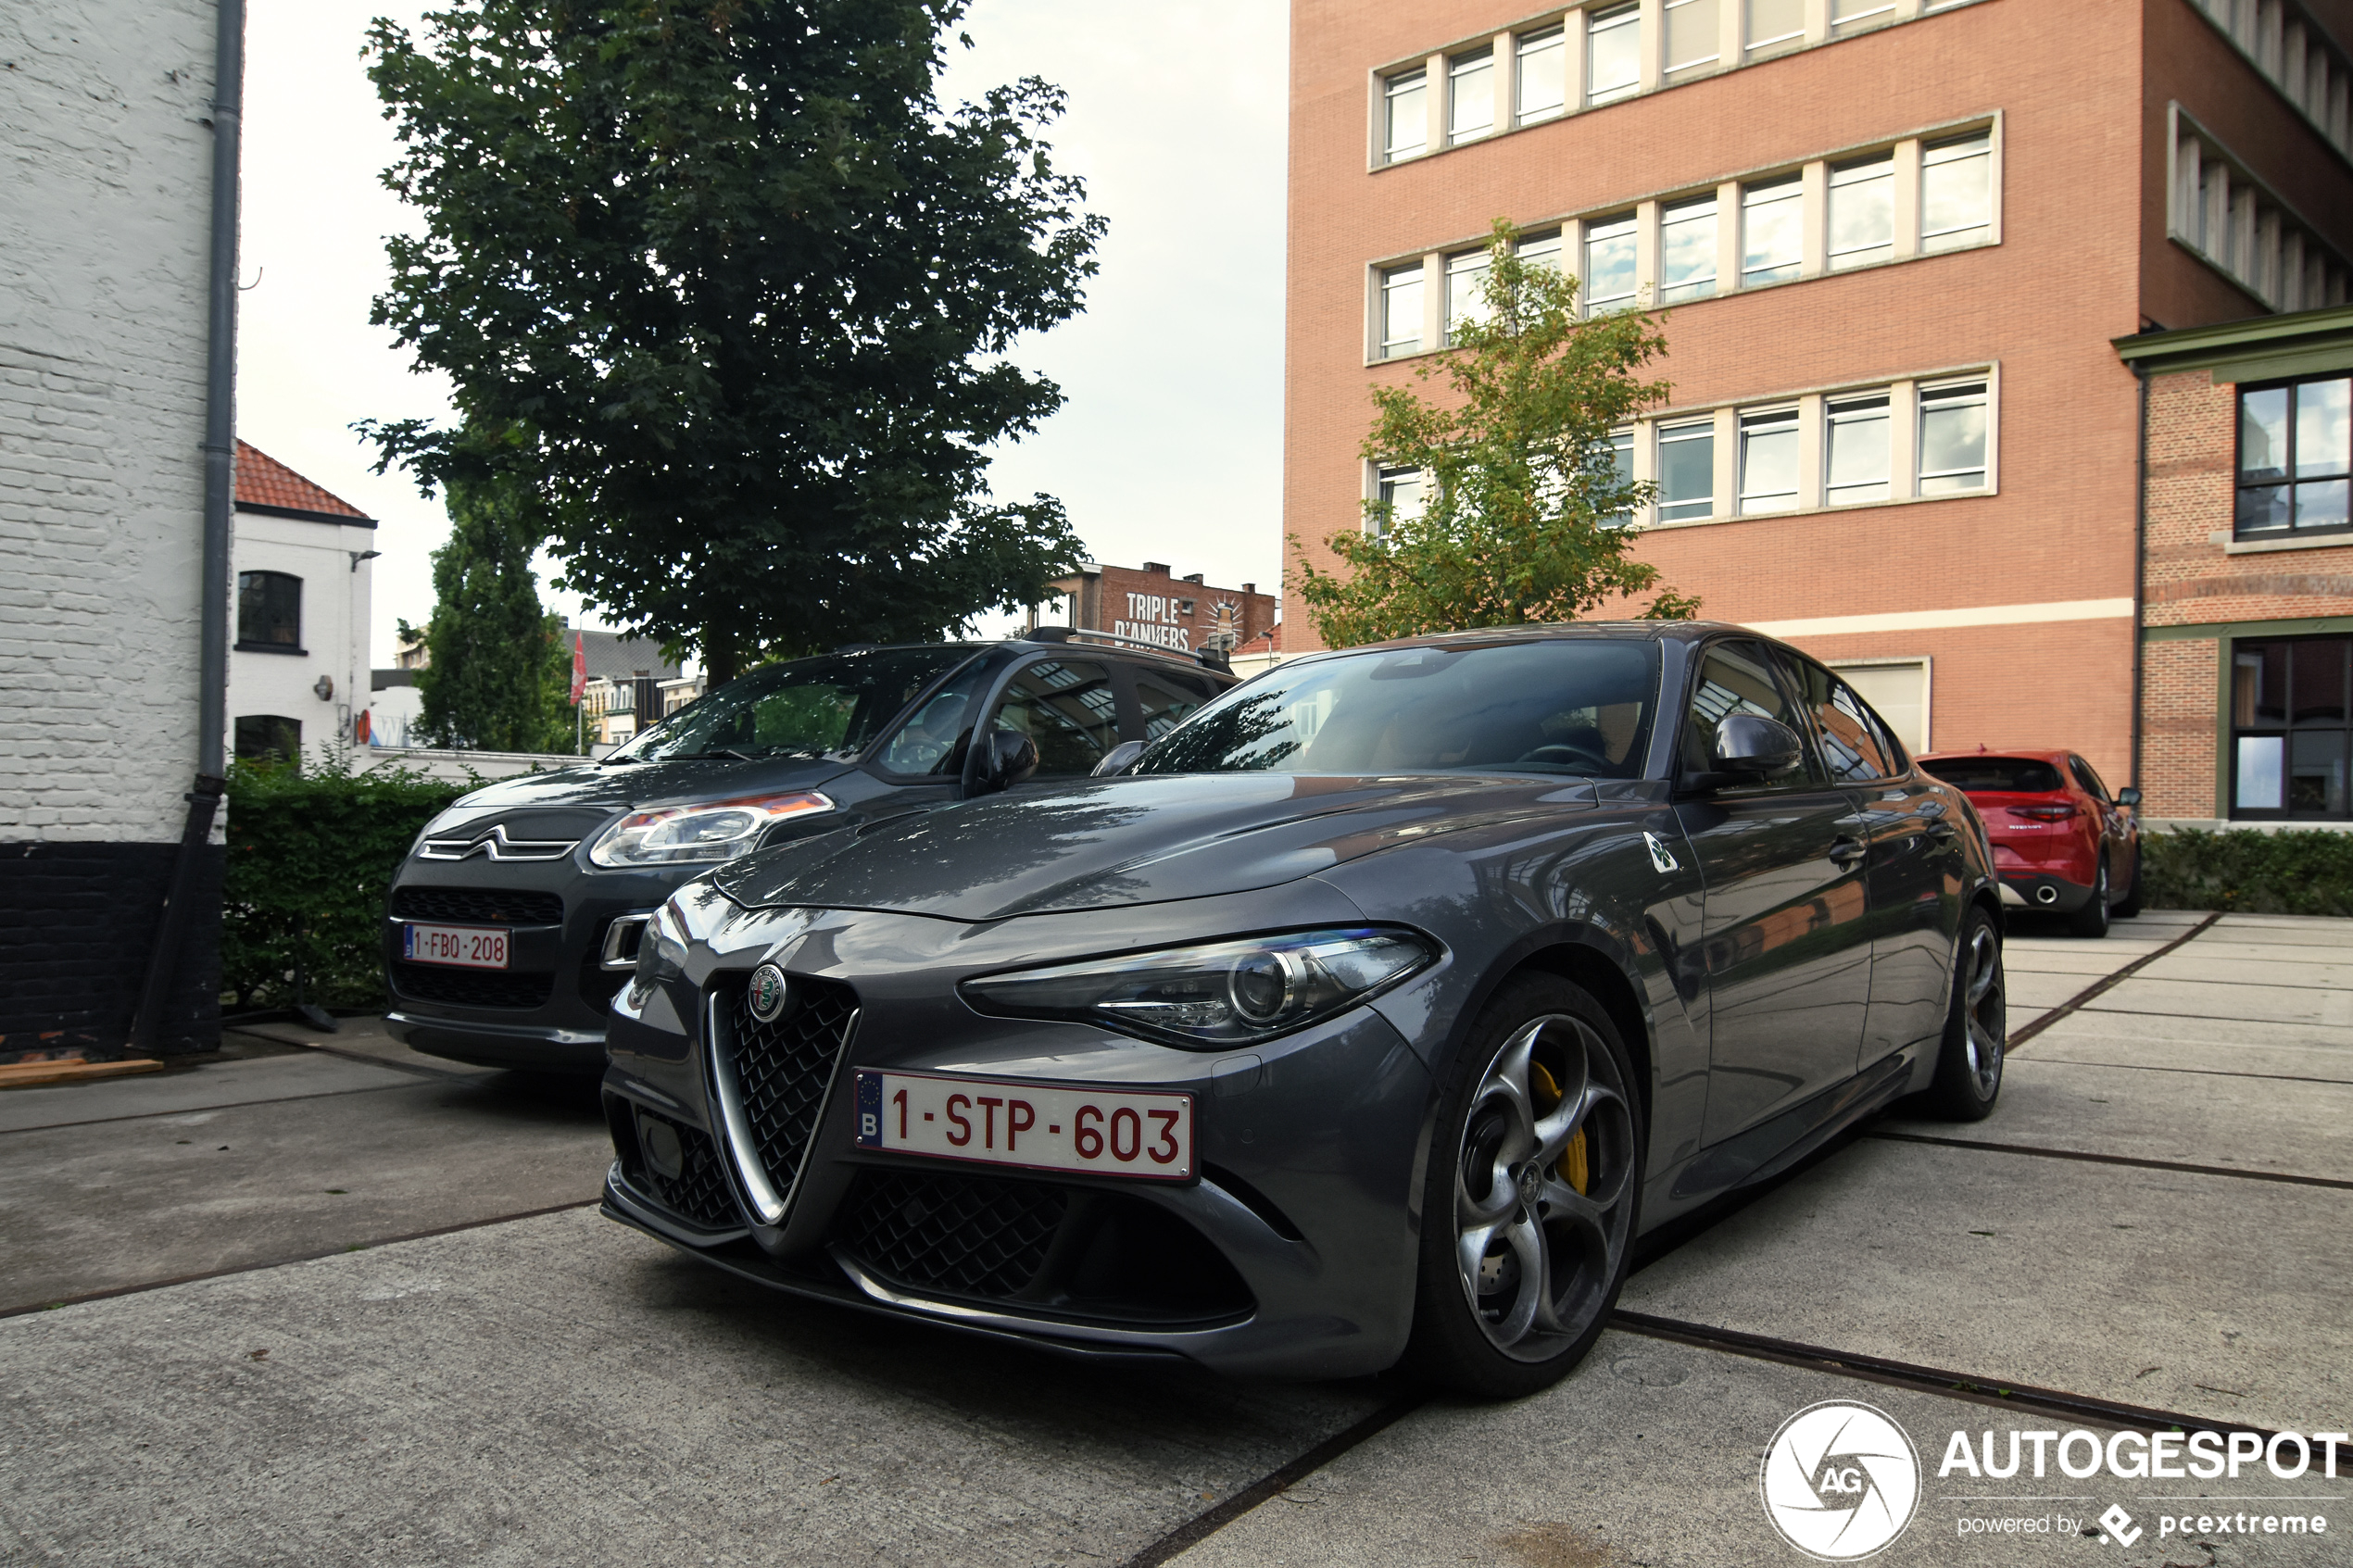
point(1572, 1165)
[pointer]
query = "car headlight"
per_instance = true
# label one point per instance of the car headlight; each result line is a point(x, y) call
point(1216, 995)
point(662, 953)
point(715, 830)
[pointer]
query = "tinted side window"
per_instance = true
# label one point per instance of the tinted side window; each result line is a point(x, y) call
point(1164, 703)
point(1736, 678)
point(1065, 707)
point(1850, 741)
point(2088, 779)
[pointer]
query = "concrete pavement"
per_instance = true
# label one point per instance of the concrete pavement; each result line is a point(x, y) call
point(556, 1389)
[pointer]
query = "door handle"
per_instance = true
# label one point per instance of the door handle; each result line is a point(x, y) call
point(1940, 828)
point(1847, 851)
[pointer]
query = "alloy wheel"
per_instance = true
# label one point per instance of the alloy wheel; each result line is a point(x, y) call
point(1544, 1186)
point(1984, 1018)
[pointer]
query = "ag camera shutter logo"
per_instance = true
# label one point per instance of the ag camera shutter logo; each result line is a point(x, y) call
point(1840, 1480)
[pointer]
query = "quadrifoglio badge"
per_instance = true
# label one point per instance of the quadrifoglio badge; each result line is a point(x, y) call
point(1841, 1481)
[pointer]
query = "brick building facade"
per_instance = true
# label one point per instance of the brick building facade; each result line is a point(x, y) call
point(1895, 240)
point(1146, 602)
point(2246, 626)
point(108, 110)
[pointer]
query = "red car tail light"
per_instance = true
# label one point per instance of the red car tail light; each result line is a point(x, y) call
point(2059, 812)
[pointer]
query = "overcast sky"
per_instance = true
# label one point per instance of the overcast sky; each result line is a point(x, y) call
point(1170, 444)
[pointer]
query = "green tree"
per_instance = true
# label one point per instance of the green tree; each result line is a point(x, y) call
point(1523, 502)
point(498, 671)
point(722, 287)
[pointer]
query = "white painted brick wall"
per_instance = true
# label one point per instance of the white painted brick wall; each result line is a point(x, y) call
point(104, 203)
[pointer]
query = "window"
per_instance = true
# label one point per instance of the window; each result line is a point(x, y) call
point(2088, 778)
point(1541, 250)
point(1613, 53)
point(2295, 457)
point(1863, 211)
point(1065, 707)
point(1956, 192)
point(1465, 290)
point(1687, 250)
point(270, 610)
point(1768, 461)
point(1850, 14)
point(269, 736)
point(1774, 231)
point(1401, 311)
point(2289, 727)
point(1897, 692)
point(1851, 742)
point(1858, 449)
point(1164, 704)
point(1621, 455)
point(1695, 31)
point(1405, 116)
point(1952, 438)
point(1772, 24)
point(2298, 58)
point(1737, 677)
point(1470, 97)
point(1609, 264)
point(1543, 78)
point(2230, 219)
point(1687, 471)
point(1399, 493)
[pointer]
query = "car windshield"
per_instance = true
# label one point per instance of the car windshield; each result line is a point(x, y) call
point(1576, 706)
point(832, 705)
point(1996, 775)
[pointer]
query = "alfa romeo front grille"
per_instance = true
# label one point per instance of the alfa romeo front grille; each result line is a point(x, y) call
point(966, 1235)
point(472, 988)
point(487, 906)
point(776, 1073)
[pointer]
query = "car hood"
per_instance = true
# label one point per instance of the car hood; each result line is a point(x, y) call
point(1127, 841)
point(643, 784)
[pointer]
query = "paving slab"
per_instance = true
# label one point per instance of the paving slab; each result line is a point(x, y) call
point(2323, 968)
point(104, 1205)
point(1650, 1452)
point(2215, 945)
point(2040, 993)
point(2191, 1045)
point(2254, 1124)
point(365, 1038)
point(562, 1390)
point(256, 1079)
point(2213, 1296)
point(2087, 963)
point(2286, 930)
point(2228, 1003)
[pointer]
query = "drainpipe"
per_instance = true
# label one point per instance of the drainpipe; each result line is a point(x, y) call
point(220, 458)
point(2140, 560)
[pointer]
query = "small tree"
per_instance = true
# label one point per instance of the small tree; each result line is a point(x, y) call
point(1523, 503)
point(497, 675)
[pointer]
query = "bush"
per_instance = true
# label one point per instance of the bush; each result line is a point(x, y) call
point(2248, 873)
point(311, 855)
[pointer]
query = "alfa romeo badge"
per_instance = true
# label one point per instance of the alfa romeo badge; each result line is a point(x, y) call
point(767, 993)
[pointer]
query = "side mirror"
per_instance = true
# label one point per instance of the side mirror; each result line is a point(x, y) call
point(1751, 747)
point(2128, 797)
point(1116, 760)
point(1003, 758)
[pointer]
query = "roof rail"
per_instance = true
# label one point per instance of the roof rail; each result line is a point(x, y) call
point(1212, 659)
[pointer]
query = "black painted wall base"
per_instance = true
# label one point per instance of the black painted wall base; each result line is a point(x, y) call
point(77, 930)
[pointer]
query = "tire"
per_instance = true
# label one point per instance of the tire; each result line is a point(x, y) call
point(2091, 919)
point(1968, 1063)
point(1547, 1257)
point(2130, 905)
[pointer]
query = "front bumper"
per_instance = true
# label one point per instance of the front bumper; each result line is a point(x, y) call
point(522, 1046)
point(1293, 1255)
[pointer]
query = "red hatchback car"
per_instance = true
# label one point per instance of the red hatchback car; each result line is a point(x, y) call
point(2061, 842)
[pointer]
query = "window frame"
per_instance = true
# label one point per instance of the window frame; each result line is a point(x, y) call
point(1856, 408)
point(1951, 389)
point(1775, 421)
point(1413, 78)
point(1387, 281)
point(1469, 62)
point(1831, 185)
point(2290, 481)
point(1663, 435)
point(1590, 305)
point(293, 645)
point(2284, 732)
point(1610, 19)
point(1991, 227)
point(1783, 188)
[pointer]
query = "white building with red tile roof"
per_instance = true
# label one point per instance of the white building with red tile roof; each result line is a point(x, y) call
point(299, 672)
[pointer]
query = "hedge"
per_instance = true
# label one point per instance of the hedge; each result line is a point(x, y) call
point(311, 855)
point(2247, 873)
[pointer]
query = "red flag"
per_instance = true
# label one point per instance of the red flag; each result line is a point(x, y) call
point(579, 666)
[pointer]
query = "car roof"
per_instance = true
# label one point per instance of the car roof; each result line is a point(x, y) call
point(2024, 752)
point(1559, 631)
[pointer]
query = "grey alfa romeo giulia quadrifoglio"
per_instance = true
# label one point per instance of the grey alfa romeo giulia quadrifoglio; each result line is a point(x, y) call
point(1369, 1015)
